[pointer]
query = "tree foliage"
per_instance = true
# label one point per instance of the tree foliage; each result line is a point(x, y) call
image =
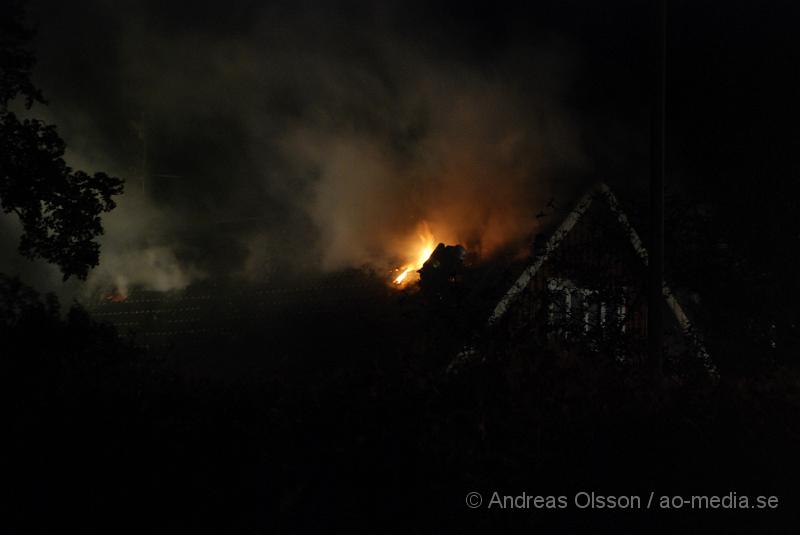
point(59, 207)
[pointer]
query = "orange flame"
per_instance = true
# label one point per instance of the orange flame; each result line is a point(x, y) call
point(115, 297)
point(422, 252)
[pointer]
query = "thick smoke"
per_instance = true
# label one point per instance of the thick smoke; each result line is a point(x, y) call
point(266, 141)
point(479, 161)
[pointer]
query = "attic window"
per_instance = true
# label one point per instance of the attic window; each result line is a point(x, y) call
point(573, 310)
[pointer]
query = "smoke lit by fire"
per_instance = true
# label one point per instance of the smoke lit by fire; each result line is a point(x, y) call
point(307, 157)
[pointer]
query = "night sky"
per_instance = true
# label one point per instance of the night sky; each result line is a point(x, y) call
point(301, 137)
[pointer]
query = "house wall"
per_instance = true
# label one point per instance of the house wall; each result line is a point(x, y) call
point(595, 257)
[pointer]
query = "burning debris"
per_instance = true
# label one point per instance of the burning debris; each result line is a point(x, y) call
point(431, 263)
point(444, 267)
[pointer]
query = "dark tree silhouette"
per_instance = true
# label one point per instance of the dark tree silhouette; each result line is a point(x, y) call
point(59, 207)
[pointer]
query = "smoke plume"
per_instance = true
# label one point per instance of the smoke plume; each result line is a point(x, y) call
point(279, 139)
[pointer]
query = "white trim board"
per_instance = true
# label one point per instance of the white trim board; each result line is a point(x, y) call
point(558, 236)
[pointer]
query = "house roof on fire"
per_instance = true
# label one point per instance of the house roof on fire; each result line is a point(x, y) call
point(601, 192)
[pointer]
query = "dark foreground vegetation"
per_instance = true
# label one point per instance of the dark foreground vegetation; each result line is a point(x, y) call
point(353, 426)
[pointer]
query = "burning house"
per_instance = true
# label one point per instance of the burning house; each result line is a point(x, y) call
point(584, 284)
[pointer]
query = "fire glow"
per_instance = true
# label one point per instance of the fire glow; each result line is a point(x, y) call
point(420, 255)
point(115, 297)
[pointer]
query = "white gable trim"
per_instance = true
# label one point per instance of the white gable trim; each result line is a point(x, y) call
point(558, 236)
point(551, 245)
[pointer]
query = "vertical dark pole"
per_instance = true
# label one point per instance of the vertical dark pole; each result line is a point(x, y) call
point(655, 309)
point(143, 134)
